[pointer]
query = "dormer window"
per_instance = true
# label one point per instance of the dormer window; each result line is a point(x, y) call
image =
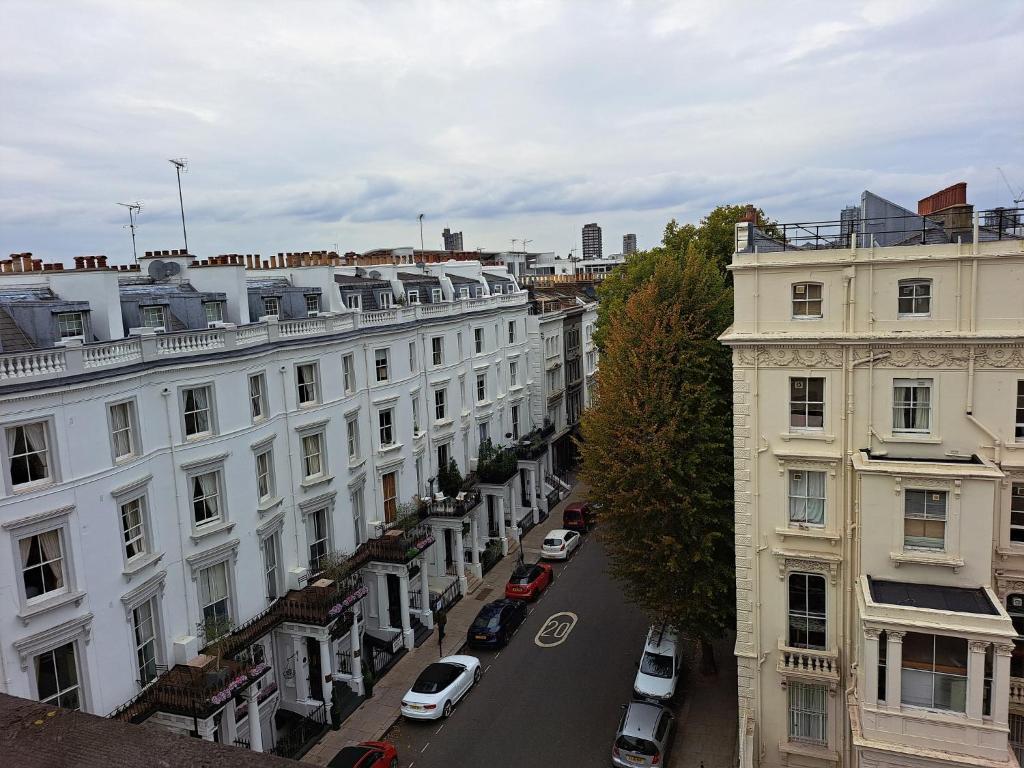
point(214, 312)
point(413, 296)
point(271, 306)
point(915, 298)
point(153, 317)
point(463, 293)
point(70, 325)
point(312, 305)
point(384, 300)
point(807, 300)
point(435, 295)
point(354, 301)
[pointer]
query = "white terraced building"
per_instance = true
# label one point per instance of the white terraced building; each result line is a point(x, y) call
point(879, 463)
point(184, 445)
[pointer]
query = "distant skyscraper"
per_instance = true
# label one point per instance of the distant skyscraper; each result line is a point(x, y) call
point(628, 244)
point(452, 240)
point(591, 241)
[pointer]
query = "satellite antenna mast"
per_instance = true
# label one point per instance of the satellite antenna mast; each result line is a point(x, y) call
point(525, 241)
point(134, 209)
point(181, 164)
point(421, 233)
point(1018, 198)
point(514, 241)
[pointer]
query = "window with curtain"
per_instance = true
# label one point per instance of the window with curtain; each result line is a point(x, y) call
point(435, 295)
point(911, 405)
point(57, 677)
point(381, 364)
point(807, 611)
point(206, 498)
point(924, 519)
point(437, 350)
point(257, 397)
point(806, 402)
point(352, 433)
point(196, 408)
point(389, 488)
point(356, 498)
point(481, 387)
point(42, 564)
point(934, 672)
point(806, 497)
point(133, 527)
point(317, 536)
point(144, 625)
point(28, 453)
point(348, 374)
point(306, 383)
point(415, 414)
point(312, 455)
point(122, 429)
point(265, 475)
point(213, 594)
point(808, 712)
point(269, 548)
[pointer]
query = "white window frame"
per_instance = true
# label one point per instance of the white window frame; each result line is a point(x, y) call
point(213, 311)
point(515, 421)
point(483, 431)
point(803, 613)
point(464, 292)
point(352, 438)
point(478, 341)
point(257, 397)
point(440, 404)
point(413, 362)
point(481, 388)
point(202, 587)
point(913, 406)
point(153, 640)
point(358, 514)
point(271, 306)
point(154, 316)
point(266, 482)
point(312, 304)
point(382, 364)
point(348, 373)
point(814, 730)
point(800, 498)
point(68, 328)
point(415, 400)
point(306, 443)
point(77, 688)
point(323, 541)
point(917, 296)
point(384, 300)
point(134, 535)
point(130, 433)
point(215, 521)
point(928, 513)
point(48, 451)
point(437, 350)
point(511, 331)
point(354, 301)
point(513, 374)
point(66, 572)
point(309, 389)
point(413, 296)
point(802, 301)
point(807, 402)
point(1017, 505)
point(435, 296)
point(211, 411)
point(271, 544)
point(386, 429)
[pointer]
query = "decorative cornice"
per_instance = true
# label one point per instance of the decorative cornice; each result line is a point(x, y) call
point(40, 517)
point(309, 505)
point(134, 485)
point(789, 357)
point(917, 354)
point(206, 460)
point(210, 557)
point(53, 637)
point(144, 591)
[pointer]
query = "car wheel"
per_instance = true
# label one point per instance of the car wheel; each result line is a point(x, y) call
point(447, 711)
point(479, 672)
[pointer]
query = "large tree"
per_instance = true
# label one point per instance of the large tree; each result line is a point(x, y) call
point(657, 443)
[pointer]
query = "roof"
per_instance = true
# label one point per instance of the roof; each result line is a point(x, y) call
point(279, 283)
point(413, 277)
point(23, 293)
point(34, 735)
point(357, 281)
point(12, 338)
point(956, 599)
point(463, 280)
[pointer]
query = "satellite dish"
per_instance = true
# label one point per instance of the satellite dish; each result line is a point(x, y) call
point(162, 270)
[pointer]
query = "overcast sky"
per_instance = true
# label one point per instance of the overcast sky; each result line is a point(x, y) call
point(333, 124)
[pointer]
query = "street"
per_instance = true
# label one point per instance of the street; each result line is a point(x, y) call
point(551, 697)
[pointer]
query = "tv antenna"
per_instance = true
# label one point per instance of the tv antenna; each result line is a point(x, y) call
point(1018, 197)
point(525, 242)
point(420, 217)
point(134, 209)
point(514, 241)
point(181, 165)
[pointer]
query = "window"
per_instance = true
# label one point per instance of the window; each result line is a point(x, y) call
point(269, 547)
point(413, 296)
point(435, 295)
point(153, 317)
point(807, 498)
point(348, 371)
point(214, 311)
point(356, 498)
point(481, 387)
point(458, 341)
point(591, 361)
point(806, 403)
point(550, 346)
point(133, 527)
point(419, 475)
point(257, 397)
point(265, 475)
point(213, 598)
point(381, 364)
point(57, 677)
point(198, 411)
point(412, 357)
point(312, 305)
point(206, 501)
point(463, 293)
point(415, 414)
point(911, 405)
point(144, 626)
point(515, 422)
point(924, 519)
point(317, 537)
point(385, 422)
point(352, 432)
point(511, 331)
point(484, 428)
point(513, 373)
point(70, 325)
point(122, 429)
point(1017, 513)
point(384, 300)
point(444, 455)
point(478, 340)
point(807, 712)
point(806, 611)
point(1015, 607)
point(271, 306)
point(307, 383)
point(437, 350)
point(354, 301)
point(883, 655)
point(934, 672)
point(915, 298)
point(806, 300)
point(1019, 432)
point(389, 490)
point(313, 455)
point(42, 564)
point(554, 380)
point(28, 454)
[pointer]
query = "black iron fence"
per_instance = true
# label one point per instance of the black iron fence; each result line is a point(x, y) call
point(449, 597)
point(303, 734)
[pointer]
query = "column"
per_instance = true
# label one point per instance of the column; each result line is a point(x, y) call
point(870, 693)
point(229, 727)
point(301, 684)
point(427, 614)
point(326, 671)
point(255, 726)
point(1001, 683)
point(500, 501)
point(975, 678)
point(893, 669)
point(474, 545)
point(403, 607)
point(383, 609)
point(533, 494)
point(357, 663)
point(460, 561)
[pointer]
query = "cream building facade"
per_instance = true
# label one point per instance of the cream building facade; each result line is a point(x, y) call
point(879, 481)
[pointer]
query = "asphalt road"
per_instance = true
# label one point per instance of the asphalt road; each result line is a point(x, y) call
point(555, 705)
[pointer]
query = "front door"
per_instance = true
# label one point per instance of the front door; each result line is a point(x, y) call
point(492, 517)
point(316, 675)
point(449, 547)
point(394, 602)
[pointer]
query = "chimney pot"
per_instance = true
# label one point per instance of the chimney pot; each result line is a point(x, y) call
point(37, 265)
point(101, 261)
point(944, 198)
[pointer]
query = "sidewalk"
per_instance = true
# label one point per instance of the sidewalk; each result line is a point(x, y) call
point(706, 727)
point(376, 715)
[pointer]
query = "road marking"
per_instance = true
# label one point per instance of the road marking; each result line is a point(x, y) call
point(556, 629)
point(487, 668)
point(439, 729)
point(497, 654)
point(424, 747)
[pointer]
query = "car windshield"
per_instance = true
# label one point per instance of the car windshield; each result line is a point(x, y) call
point(487, 622)
point(636, 745)
point(552, 542)
point(656, 665)
point(435, 678)
point(522, 576)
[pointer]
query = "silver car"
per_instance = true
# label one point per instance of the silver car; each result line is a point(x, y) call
point(644, 735)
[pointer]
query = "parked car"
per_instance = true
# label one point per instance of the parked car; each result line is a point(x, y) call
point(579, 516)
point(440, 686)
point(368, 754)
point(529, 580)
point(495, 623)
point(559, 544)
point(660, 665)
point(644, 735)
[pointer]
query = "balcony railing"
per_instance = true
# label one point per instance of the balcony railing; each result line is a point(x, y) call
point(454, 507)
point(809, 662)
point(399, 546)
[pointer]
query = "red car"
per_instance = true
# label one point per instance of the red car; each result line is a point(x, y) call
point(528, 581)
point(368, 754)
point(579, 516)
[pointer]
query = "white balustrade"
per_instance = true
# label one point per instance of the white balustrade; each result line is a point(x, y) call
point(252, 334)
point(185, 343)
point(27, 365)
point(307, 327)
point(382, 317)
point(121, 352)
point(1017, 690)
point(809, 661)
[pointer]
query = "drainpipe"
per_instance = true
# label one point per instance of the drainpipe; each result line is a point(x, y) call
point(291, 469)
point(996, 442)
point(166, 392)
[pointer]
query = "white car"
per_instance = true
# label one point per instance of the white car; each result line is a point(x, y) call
point(659, 666)
point(440, 686)
point(559, 544)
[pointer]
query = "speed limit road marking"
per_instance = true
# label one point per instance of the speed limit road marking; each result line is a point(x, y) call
point(556, 629)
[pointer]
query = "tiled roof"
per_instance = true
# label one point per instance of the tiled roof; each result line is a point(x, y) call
point(34, 735)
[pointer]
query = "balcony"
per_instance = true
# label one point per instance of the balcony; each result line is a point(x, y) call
point(452, 507)
point(807, 662)
point(398, 545)
point(496, 465)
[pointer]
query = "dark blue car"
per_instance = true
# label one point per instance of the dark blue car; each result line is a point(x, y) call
point(495, 623)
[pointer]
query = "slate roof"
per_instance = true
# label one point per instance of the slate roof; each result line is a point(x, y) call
point(359, 281)
point(956, 599)
point(12, 338)
point(459, 279)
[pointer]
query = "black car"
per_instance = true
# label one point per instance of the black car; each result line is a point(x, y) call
point(495, 623)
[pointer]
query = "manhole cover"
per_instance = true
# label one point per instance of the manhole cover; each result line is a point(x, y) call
point(483, 594)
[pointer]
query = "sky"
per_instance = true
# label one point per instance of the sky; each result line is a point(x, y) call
point(333, 125)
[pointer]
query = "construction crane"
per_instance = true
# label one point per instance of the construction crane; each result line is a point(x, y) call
point(1018, 197)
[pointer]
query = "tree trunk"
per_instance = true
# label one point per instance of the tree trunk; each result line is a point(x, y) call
point(707, 658)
